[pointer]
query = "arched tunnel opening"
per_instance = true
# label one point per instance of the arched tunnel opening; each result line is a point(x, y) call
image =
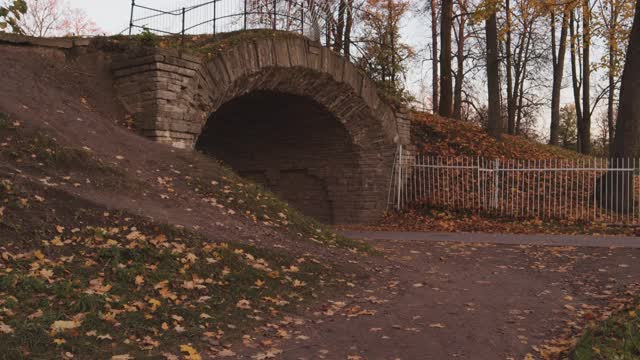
point(293, 146)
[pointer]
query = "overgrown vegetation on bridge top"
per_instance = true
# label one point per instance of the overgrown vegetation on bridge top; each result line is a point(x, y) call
point(206, 45)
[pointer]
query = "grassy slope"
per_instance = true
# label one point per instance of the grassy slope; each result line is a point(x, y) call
point(94, 282)
point(78, 278)
point(616, 338)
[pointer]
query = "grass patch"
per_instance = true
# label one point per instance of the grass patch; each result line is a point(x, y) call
point(4, 121)
point(230, 191)
point(97, 284)
point(617, 338)
point(36, 151)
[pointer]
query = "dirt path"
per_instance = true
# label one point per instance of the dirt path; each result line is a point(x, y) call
point(447, 300)
point(509, 239)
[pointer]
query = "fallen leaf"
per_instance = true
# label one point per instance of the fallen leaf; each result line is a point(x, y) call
point(63, 325)
point(122, 357)
point(226, 353)
point(191, 352)
point(5, 329)
point(35, 315)
point(244, 305)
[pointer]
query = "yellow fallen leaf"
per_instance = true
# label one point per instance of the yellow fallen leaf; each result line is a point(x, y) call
point(59, 229)
point(46, 273)
point(437, 325)
point(122, 357)
point(139, 280)
point(5, 329)
point(35, 315)
point(63, 325)
point(59, 341)
point(226, 353)
point(192, 353)
point(38, 254)
point(243, 304)
point(154, 304)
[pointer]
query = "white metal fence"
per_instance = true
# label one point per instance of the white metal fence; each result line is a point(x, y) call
point(580, 190)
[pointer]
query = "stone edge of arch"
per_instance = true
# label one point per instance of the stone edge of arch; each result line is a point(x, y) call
point(160, 87)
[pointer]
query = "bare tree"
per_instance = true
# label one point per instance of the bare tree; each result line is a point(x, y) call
point(575, 73)
point(584, 131)
point(434, 50)
point(460, 57)
point(558, 73)
point(446, 84)
point(494, 119)
point(56, 18)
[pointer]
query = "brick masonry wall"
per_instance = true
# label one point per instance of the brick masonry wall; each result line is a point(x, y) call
point(172, 95)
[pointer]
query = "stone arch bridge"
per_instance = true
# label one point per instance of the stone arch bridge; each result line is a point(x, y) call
point(285, 112)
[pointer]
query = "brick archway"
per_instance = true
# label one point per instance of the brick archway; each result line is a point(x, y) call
point(181, 93)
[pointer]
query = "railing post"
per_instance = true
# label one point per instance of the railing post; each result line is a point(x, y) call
point(245, 14)
point(275, 5)
point(399, 206)
point(496, 166)
point(214, 16)
point(184, 11)
point(133, 6)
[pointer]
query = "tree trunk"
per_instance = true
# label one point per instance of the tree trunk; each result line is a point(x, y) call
point(574, 76)
point(511, 114)
point(457, 96)
point(337, 46)
point(611, 100)
point(446, 86)
point(392, 39)
point(627, 139)
point(585, 136)
point(347, 30)
point(434, 50)
point(558, 72)
point(494, 124)
point(613, 59)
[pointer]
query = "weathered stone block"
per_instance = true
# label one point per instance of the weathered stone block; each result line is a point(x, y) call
point(297, 52)
point(281, 51)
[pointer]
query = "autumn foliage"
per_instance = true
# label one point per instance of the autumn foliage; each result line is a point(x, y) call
point(445, 137)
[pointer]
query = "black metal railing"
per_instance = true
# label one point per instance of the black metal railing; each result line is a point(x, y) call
point(310, 18)
point(219, 16)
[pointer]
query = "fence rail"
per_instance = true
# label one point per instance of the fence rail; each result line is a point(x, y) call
point(580, 190)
